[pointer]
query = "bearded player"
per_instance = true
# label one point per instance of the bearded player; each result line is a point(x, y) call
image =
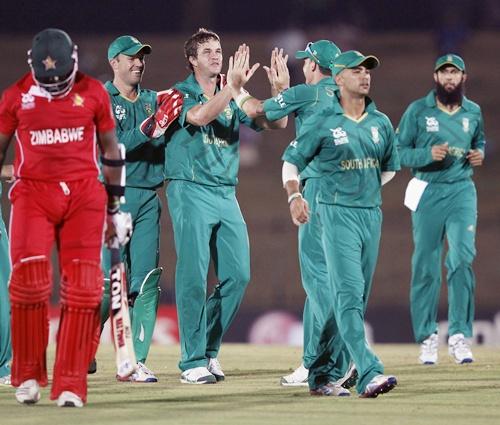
point(57, 114)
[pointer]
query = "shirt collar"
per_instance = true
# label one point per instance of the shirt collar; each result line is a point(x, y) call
point(112, 90)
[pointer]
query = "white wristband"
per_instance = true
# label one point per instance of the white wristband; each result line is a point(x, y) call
point(294, 196)
point(242, 98)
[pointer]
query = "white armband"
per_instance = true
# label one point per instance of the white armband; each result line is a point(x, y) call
point(289, 172)
point(242, 98)
point(387, 176)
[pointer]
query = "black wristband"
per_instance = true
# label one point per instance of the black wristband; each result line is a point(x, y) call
point(112, 162)
point(115, 190)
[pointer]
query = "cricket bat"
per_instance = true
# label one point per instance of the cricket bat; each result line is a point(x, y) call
point(121, 330)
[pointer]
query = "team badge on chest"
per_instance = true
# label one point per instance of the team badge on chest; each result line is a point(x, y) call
point(465, 124)
point(432, 124)
point(375, 135)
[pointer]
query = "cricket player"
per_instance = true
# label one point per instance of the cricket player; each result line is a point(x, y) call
point(202, 161)
point(56, 114)
point(137, 114)
point(354, 145)
point(303, 100)
point(441, 137)
point(5, 340)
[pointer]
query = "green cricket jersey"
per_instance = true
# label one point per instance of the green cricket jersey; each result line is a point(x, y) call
point(351, 154)
point(424, 124)
point(144, 157)
point(302, 100)
point(209, 154)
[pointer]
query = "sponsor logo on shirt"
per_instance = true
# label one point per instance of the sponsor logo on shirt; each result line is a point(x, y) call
point(52, 136)
point(432, 124)
point(27, 101)
point(120, 112)
point(359, 164)
point(339, 136)
point(220, 143)
point(280, 101)
point(375, 135)
point(465, 124)
point(293, 144)
point(456, 152)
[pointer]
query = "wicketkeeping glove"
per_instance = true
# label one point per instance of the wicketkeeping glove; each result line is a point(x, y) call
point(122, 221)
point(169, 107)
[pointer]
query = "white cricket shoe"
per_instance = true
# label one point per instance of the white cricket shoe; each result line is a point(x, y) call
point(459, 349)
point(69, 399)
point(215, 369)
point(142, 374)
point(331, 389)
point(380, 384)
point(28, 392)
point(5, 380)
point(350, 378)
point(298, 378)
point(429, 350)
point(197, 375)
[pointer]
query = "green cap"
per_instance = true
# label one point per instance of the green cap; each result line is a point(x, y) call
point(353, 59)
point(322, 52)
point(127, 45)
point(450, 59)
point(52, 53)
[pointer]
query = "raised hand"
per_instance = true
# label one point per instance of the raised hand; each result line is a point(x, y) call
point(277, 73)
point(239, 70)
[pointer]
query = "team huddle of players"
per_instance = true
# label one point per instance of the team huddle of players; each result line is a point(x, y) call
point(333, 171)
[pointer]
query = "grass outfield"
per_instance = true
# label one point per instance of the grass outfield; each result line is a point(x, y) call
point(442, 394)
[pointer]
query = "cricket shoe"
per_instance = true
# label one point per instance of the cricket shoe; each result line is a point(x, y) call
point(197, 376)
point(380, 384)
point(350, 378)
point(215, 369)
point(298, 378)
point(69, 399)
point(28, 392)
point(459, 349)
point(5, 380)
point(142, 374)
point(429, 350)
point(331, 389)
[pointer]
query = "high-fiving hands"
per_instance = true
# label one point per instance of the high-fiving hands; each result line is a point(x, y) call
point(277, 73)
point(239, 70)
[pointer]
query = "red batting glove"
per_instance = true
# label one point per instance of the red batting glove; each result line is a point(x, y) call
point(169, 107)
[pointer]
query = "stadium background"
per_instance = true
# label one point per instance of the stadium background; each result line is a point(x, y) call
point(407, 36)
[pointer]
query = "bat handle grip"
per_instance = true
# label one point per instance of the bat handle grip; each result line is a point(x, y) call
point(114, 248)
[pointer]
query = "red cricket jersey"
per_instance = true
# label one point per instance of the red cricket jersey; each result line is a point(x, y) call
point(56, 138)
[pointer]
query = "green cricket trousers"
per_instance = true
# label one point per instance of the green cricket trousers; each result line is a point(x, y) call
point(446, 210)
point(351, 238)
point(207, 223)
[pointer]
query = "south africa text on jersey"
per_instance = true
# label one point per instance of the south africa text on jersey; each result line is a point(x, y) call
point(359, 163)
point(220, 143)
point(51, 136)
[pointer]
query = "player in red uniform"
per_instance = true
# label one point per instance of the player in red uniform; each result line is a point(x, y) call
point(58, 114)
